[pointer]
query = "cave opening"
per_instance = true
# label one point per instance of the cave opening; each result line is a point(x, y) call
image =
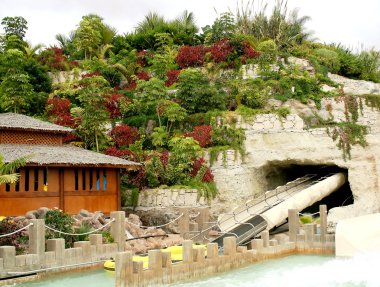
point(279, 173)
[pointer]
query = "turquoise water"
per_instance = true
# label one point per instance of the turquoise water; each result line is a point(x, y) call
point(292, 271)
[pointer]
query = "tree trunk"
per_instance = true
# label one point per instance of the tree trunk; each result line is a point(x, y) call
point(96, 141)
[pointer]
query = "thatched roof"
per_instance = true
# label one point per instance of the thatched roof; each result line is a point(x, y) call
point(62, 155)
point(21, 122)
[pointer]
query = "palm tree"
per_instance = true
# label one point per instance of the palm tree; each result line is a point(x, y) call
point(186, 22)
point(8, 173)
point(151, 22)
point(30, 50)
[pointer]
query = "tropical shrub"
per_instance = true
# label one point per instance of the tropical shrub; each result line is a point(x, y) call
point(196, 94)
point(55, 60)
point(18, 240)
point(202, 134)
point(191, 56)
point(172, 76)
point(221, 51)
point(328, 58)
point(61, 221)
point(124, 135)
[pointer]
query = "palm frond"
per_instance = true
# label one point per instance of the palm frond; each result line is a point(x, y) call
point(11, 167)
point(9, 178)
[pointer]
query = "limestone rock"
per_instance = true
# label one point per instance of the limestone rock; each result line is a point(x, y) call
point(85, 213)
point(31, 214)
point(356, 87)
point(41, 212)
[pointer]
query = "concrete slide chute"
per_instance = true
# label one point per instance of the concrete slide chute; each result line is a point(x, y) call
point(257, 215)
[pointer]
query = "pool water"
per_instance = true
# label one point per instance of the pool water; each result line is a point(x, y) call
point(292, 271)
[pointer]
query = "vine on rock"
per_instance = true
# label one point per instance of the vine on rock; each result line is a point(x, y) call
point(349, 133)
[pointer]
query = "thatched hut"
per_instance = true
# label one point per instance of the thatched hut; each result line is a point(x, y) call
point(56, 174)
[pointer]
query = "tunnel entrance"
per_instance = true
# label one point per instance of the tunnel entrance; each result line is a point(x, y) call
point(280, 173)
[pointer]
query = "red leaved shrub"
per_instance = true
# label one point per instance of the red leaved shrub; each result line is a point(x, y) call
point(142, 75)
point(197, 164)
point(124, 135)
point(191, 56)
point(164, 158)
point(142, 58)
point(58, 110)
point(221, 51)
point(249, 52)
point(172, 77)
point(202, 134)
point(56, 60)
point(114, 151)
point(113, 105)
point(89, 75)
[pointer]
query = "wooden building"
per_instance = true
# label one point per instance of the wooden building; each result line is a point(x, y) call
point(56, 174)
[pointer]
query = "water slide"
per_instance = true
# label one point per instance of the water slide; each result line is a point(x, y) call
point(271, 209)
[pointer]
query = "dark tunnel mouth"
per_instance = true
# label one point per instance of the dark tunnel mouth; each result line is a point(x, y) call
point(280, 173)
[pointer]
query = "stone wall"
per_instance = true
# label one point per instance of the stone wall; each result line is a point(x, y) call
point(170, 198)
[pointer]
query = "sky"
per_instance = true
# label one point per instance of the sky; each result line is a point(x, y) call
point(353, 23)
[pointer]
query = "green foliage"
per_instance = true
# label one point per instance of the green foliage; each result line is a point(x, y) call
point(84, 227)
point(227, 136)
point(149, 93)
point(183, 151)
point(347, 134)
point(253, 93)
point(160, 137)
point(134, 197)
point(207, 190)
point(8, 170)
point(61, 221)
point(296, 85)
point(284, 27)
point(268, 49)
point(197, 94)
point(172, 111)
point(372, 101)
point(93, 113)
point(370, 63)
point(18, 240)
point(15, 89)
point(16, 26)
point(282, 112)
point(328, 58)
point(107, 237)
point(182, 29)
point(222, 28)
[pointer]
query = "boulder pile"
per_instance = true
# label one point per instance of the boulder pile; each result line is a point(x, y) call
point(140, 239)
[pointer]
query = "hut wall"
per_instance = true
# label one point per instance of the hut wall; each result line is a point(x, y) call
point(37, 187)
point(93, 189)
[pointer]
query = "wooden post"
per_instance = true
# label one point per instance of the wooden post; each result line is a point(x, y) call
point(293, 221)
point(118, 228)
point(118, 189)
point(323, 222)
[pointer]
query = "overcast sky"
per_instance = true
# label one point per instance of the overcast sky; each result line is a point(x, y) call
point(350, 22)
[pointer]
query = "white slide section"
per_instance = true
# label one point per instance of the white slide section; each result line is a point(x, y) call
point(304, 198)
point(272, 208)
point(358, 235)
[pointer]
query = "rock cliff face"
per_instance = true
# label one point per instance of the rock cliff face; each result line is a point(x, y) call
point(273, 145)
